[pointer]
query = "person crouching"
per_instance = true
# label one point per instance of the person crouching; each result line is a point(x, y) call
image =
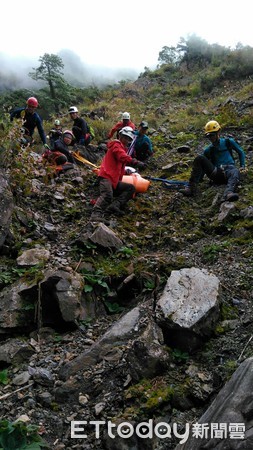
point(62, 145)
point(114, 193)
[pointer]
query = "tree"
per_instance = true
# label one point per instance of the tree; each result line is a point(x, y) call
point(168, 55)
point(51, 71)
point(196, 52)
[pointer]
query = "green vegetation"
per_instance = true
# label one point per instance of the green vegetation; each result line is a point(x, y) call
point(179, 356)
point(146, 397)
point(228, 312)
point(91, 280)
point(30, 275)
point(211, 252)
point(4, 377)
point(19, 436)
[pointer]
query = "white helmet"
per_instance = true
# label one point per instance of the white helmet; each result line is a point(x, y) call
point(73, 109)
point(127, 131)
point(68, 133)
point(125, 115)
point(57, 122)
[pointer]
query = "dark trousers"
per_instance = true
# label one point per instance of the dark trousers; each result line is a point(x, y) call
point(228, 174)
point(120, 196)
point(142, 153)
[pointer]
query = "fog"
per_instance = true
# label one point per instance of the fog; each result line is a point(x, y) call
point(14, 72)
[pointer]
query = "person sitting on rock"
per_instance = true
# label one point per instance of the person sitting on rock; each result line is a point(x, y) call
point(114, 193)
point(55, 133)
point(142, 145)
point(62, 145)
point(217, 163)
point(80, 127)
point(125, 122)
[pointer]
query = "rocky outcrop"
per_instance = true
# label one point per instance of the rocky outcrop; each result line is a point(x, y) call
point(188, 308)
point(54, 300)
point(134, 342)
point(229, 419)
point(100, 235)
point(6, 207)
point(32, 257)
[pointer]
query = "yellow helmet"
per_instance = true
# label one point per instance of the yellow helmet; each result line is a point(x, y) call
point(212, 127)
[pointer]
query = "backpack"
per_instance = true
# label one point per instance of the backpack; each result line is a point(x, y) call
point(90, 130)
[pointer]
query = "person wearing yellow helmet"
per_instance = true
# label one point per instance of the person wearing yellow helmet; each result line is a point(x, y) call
point(217, 162)
point(211, 127)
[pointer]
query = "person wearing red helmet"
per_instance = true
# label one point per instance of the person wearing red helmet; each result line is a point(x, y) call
point(30, 118)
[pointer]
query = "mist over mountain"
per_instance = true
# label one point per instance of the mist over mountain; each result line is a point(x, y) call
point(80, 74)
point(14, 72)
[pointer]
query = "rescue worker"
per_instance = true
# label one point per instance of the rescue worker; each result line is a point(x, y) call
point(125, 122)
point(30, 119)
point(142, 145)
point(80, 126)
point(114, 193)
point(217, 163)
point(55, 133)
point(61, 145)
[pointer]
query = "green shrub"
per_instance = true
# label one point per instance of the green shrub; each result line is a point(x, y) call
point(19, 436)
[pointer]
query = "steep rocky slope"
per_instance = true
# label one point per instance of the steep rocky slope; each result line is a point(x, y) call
point(160, 232)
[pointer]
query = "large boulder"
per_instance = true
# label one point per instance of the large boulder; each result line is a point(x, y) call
point(188, 308)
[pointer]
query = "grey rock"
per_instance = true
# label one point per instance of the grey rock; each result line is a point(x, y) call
point(188, 308)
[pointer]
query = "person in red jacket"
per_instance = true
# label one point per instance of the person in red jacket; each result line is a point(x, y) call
point(125, 122)
point(114, 193)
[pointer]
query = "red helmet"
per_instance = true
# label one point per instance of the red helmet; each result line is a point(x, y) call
point(32, 101)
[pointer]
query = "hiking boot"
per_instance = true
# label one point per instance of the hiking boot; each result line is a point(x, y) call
point(189, 191)
point(114, 209)
point(230, 197)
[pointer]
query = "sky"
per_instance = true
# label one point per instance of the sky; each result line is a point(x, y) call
point(114, 34)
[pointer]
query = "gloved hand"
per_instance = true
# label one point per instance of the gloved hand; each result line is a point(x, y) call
point(139, 164)
point(243, 170)
point(46, 146)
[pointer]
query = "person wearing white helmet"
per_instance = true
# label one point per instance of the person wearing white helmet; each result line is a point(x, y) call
point(125, 122)
point(114, 193)
point(55, 132)
point(80, 126)
point(217, 162)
